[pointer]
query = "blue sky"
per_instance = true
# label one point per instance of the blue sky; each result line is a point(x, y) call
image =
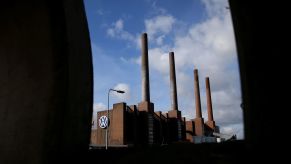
point(198, 31)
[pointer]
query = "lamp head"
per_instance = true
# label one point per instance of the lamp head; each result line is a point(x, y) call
point(120, 91)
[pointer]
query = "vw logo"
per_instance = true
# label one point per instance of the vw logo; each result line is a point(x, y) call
point(103, 122)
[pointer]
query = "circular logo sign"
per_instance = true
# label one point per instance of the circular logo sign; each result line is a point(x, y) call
point(103, 122)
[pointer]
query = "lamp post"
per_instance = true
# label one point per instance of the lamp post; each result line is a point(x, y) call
point(118, 91)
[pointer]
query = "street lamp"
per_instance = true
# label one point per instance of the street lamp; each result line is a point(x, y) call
point(118, 91)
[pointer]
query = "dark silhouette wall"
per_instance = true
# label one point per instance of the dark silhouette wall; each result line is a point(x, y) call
point(46, 82)
point(262, 36)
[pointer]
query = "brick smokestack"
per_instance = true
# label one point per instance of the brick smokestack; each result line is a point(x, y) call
point(174, 100)
point(210, 122)
point(145, 104)
point(197, 94)
point(174, 112)
point(198, 121)
point(146, 107)
point(209, 101)
point(145, 69)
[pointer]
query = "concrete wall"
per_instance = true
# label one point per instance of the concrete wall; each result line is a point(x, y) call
point(46, 81)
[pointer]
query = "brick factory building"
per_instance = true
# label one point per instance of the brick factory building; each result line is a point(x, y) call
point(139, 125)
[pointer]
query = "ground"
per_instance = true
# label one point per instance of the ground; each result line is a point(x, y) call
point(227, 152)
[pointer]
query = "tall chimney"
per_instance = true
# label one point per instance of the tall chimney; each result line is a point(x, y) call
point(210, 122)
point(145, 69)
point(145, 104)
point(197, 94)
point(198, 121)
point(174, 100)
point(209, 102)
point(176, 130)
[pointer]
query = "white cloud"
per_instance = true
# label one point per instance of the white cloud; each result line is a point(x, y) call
point(119, 24)
point(234, 129)
point(117, 31)
point(159, 25)
point(102, 12)
point(116, 28)
point(160, 40)
point(156, 29)
point(97, 107)
point(111, 32)
point(215, 7)
point(159, 60)
point(157, 10)
point(124, 87)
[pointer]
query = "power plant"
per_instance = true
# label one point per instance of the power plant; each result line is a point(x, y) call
point(137, 125)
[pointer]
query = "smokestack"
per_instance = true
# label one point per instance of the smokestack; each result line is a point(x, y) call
point(145, 69)
point(210, 123)
point(174, 112)
point(145, 104)
point(174, 100)
point(198, 121)
point(197, 94)
point(209, 102)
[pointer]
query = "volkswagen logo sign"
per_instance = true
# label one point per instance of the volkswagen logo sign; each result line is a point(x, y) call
point(103, 122)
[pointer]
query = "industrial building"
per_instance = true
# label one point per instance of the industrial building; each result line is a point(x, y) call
point(139, 125)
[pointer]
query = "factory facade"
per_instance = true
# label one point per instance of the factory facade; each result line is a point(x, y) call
point(138, 125)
